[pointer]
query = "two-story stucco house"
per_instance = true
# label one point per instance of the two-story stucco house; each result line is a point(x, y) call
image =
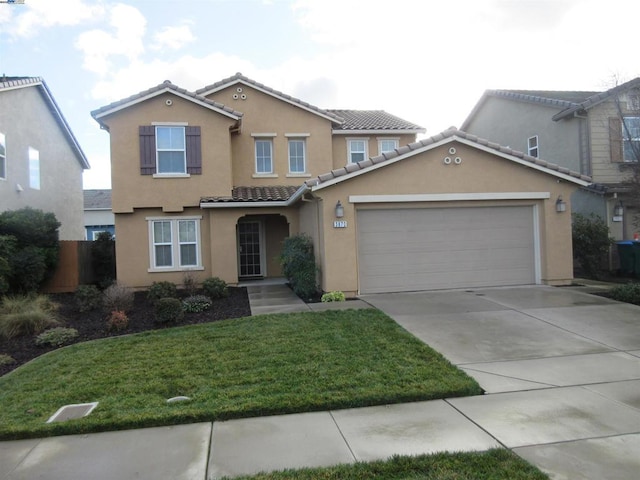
point(589, 132)
point(213, 181)
point(41, 162)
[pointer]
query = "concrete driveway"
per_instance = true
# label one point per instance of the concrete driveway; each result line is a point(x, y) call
point(561, 369)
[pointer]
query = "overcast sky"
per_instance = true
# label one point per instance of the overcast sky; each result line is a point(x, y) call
point(425, 61)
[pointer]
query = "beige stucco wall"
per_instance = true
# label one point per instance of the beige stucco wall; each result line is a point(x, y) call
point(26, 121)
point(340, 145)
point(264, 114)
point(132, 190)
point(425, 173)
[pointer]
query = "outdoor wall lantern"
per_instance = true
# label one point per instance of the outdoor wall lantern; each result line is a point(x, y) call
point(339, 210)
point(561, 205)
point(618, 210)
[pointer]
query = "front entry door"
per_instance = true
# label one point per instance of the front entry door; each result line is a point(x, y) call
point(249, 251)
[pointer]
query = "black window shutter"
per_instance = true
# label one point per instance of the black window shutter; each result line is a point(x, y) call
point(147, 149)
point(194, 150)
point(615, 139)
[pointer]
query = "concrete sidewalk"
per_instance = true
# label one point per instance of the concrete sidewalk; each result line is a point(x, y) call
point(561, 368)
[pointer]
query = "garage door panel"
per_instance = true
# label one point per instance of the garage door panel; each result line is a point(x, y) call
point(421, 249)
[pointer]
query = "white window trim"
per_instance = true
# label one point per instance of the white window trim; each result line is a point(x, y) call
point(389, 139)
point(627, 139)
point(270, 173)
point(304, 155)
point(536, 148)
point(3, 158)
point(297, 135)
point(357, 139)
point(183, 150)
point(175, 244)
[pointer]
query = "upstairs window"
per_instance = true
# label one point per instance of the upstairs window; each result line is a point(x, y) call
point(297, 156)
point(264, 156)
point(633, 100)
point(387, 145)
point(3, 157)
point(532, 146)
point(356, 149)
point(171, 151)
point(631, 139)
point(34, 168)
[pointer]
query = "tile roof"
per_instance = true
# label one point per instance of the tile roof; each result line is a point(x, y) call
point(278, 193)
point(239, 78)
point(452, 133)
point(373, 120)
point(546, 97)
point(165, 86)
point(97, 199)
point(11, 83)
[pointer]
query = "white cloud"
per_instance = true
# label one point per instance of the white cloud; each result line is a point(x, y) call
point(173, 38)
point(125, 38)
point(28, 19)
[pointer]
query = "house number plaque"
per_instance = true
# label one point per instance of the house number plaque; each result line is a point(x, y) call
point(340, 224)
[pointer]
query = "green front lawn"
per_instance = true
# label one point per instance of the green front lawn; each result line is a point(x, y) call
point(263, 365)
point(496, 464)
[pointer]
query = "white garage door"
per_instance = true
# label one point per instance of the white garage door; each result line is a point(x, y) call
point(407, 249)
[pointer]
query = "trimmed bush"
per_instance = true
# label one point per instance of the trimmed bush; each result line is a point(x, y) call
point(159, 290)
point(215, 287)
point(56, 336)
point(629, 293)
point(28, 269)
point(299, 265)
point(196, 304)
point(88, 298)
point(118, 320)
point(591, 242)
point(117, 297)
point(335, 296)
point(168, 310)
point(103, 259)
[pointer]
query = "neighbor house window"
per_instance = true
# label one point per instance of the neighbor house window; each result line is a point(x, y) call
point(34, 168)
point(175, 243)
point(633, 100)
point(387, 145)
point(297, 162)
point(264, 156)
point(532, 146)
point(3, 157)
point(356, 149)
point(631, 139)
point(171, 151)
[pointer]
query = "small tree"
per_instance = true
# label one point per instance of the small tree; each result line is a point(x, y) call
point(591, 242)
point(35, 256)
point(299, 265)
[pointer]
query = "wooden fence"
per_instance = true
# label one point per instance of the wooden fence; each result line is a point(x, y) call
point(74, 267)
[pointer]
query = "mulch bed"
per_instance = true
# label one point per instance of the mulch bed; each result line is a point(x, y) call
point(93, 325)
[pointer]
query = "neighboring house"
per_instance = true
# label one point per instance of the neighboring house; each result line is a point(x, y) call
point(41, 162)
point(213, 181)
point(98, 216)
point(581, 131)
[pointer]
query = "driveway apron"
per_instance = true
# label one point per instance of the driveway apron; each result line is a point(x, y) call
point(560, 367)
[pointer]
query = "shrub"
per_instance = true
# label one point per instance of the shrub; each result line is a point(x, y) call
point(117, 297)
point(6, 360)
point(629, 293)
point(299, 265)
point(168, 310)
point(159, 290)
point(8, 245)
point(56, 336)
point(591, 242)
point(196, 304)
point(88, 298)
point(215, 287)
point(335, 296)
point(26, 315)
point(118, 320)
point(103, 259)
point(36, 232)
point(190, 283)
